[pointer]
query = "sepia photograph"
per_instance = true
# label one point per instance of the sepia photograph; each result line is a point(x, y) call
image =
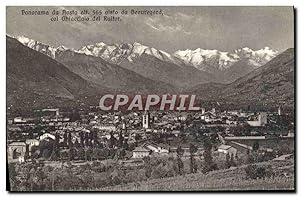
point(150, 98)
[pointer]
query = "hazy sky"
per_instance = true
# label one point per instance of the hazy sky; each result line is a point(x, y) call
point(222, 28)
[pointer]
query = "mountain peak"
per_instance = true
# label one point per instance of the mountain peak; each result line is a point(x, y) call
point(234, 64)
point(41, 47)
point(100, 44)
point(62, 48)
point(137, 44)
point(23, 39)
point(198, 57)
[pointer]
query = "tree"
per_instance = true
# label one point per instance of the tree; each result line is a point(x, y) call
point(95, 138)
point(254, 171)
point(120, 154)
point(76, 143)
point(74, 116)
point(12, 176)
point(193, 165)
point(232, 163)
point(46, 148)
point(89, 154)
point(87, 140)
point(121, 140)
point(208, 160)
point(71, 154)
point(138, 137)
point(81, 154)
point(227, 162)
point(55, 150)
point(251, 158)
point(70, 143)
point(65, 142)
point(147, 166)
point(237, 159)
point(180, 164)
point(179, 151)
point(35, 153)
point(255, 146)
point(112, 140)
point(46, 153)
point(125, 145)
point(82, 139)
point(55, 155)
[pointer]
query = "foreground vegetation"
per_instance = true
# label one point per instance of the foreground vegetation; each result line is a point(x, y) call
point(282, 178)
point(156, 174)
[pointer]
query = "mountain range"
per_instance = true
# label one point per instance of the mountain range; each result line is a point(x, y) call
point(60, 73)
point(268, 85)
point(194, 66)
point(35, 79)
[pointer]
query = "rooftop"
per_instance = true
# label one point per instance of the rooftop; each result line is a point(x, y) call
point(141, 149)
point(17, 144)
point(224, 147)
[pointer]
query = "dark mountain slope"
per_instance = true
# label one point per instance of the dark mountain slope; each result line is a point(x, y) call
point(98, 71)
point(180, 76)
point(272, 83)
point(36, 80)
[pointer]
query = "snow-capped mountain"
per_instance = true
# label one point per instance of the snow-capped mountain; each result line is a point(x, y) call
point(116, 53)
point(149, 62)
point(226, 66)
point(112, 53)
point(269, 85)
point(212, 61)
point(93, 70)
point(207, 59)
point(41, 47)
point(222, 67)
point(202, 59)
point(261, 56)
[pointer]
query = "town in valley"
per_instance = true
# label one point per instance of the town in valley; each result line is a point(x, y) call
point(127, 142)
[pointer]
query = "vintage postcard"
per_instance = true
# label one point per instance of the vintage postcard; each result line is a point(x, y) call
point(167, 98)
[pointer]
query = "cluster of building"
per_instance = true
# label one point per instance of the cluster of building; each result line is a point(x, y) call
point(138, 128)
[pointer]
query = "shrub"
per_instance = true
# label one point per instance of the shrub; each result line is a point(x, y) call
point(98, 166)
point(254, 172)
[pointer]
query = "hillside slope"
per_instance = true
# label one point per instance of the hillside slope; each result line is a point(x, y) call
point(272, 83)
point(233, 179)
point(98, 71)
point(36, 80)
point(268, 85)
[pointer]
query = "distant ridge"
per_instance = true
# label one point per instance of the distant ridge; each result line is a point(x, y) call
point(202, 65)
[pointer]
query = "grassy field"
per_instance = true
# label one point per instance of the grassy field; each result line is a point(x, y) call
point(229, 179)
